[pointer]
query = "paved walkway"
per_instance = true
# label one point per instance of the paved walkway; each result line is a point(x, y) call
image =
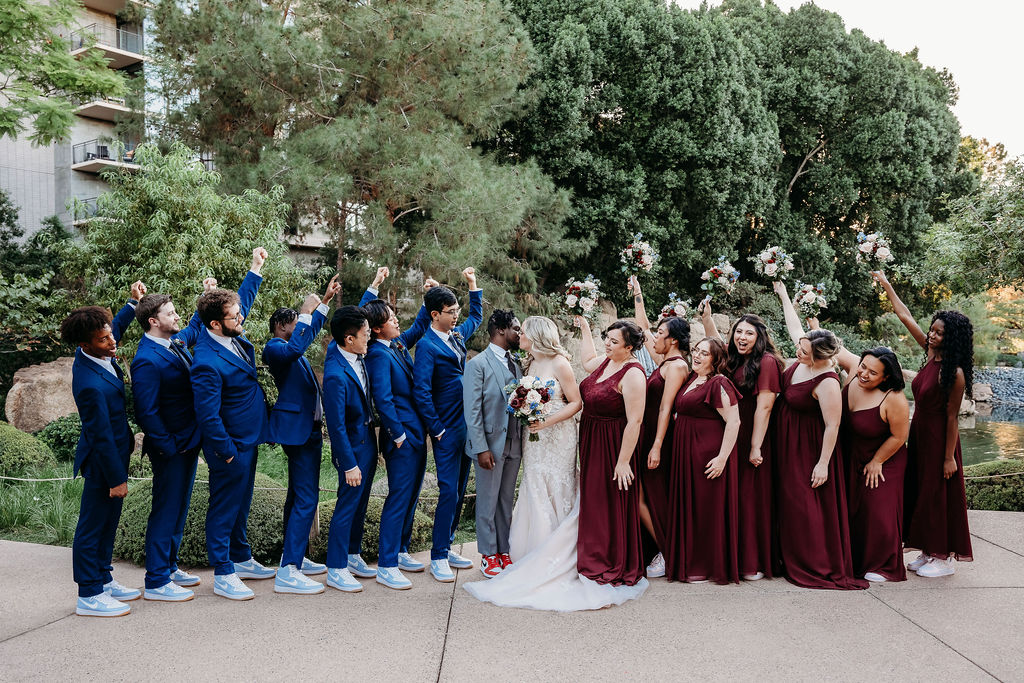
point(969, 627)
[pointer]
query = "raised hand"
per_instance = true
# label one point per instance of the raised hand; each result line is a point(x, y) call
point(209, 284)
point(633, 286)
point(470, 275)
point(138, 290)
point(381, 276)
point(333, 287)
point(430, 284)
point(780, 288)
point(259, 257)
point(310, 304)
point(879, 277)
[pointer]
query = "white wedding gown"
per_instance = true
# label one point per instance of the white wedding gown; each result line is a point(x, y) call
point(544, 531)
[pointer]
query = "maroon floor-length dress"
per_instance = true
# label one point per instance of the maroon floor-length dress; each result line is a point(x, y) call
point(876, 515)
point(703, 541)
point(813, 527)
point(936, 507)
point(755, 483)
point(609, 547)
point(654, 483)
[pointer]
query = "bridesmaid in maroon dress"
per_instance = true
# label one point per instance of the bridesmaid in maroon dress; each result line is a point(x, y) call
point(935, 499)
point(755, 368)
point(609, 547)
point(810, 491)
point(702, 544)
point(671, 337)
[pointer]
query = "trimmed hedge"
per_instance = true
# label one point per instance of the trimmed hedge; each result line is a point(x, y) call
point(20, 451)
point(1003, 493)
point(61, 436)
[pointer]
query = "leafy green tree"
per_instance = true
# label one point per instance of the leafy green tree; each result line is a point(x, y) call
point(168, 226)
point(366, 114)
point(42, 81)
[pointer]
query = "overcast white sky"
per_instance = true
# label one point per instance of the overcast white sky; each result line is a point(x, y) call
point(981, 42)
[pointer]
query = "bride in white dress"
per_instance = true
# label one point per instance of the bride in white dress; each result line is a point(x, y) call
point(545, 520)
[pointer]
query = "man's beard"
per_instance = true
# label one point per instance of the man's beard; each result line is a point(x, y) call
point(232, 332)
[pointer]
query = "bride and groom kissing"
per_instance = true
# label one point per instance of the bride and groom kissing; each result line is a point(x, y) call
point(529, 551)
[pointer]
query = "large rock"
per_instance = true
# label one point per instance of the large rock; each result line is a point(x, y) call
point(40, 394)
point(982, 393)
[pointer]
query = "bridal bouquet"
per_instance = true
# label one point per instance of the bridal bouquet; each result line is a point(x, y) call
point(581, 297)
point(638, 256)
point(810, 299)
point(721, 275)
point(676, 308)
point(773, 263)
point(526, 399)
point(873, 249)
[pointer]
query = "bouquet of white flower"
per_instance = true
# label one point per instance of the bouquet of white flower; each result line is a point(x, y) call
point(773, 263)
point(810, 299)
point(638, 256)
point(721, 275)
point(582, 297)
point(676, 308)
point(873, 249)
point(526, 400)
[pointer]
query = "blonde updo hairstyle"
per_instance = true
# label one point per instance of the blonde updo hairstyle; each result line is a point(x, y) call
point(543, 334)
point(824, 344)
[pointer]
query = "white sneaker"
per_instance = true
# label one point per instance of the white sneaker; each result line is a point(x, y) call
point(874, 577)
point(936, 568)
point(918, 562)
point(101, 605)
point(121, 592)
point(656, 568)
point(756, 576)
point(169, 592)
point(290, 580)
point(231, 587)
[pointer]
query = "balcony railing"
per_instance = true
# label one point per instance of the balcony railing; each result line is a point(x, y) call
point(83, 209)
point(95, 156)
point(105, 35)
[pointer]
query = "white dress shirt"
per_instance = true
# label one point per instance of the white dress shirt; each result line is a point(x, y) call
point(307, 318)
point(166, 343)
point(357, 367)
point(226, 342)
point(102, 362)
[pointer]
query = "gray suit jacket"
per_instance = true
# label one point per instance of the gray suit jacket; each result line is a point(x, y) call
point(484, 403)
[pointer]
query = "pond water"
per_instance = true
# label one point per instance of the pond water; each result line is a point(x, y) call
point(994, 433)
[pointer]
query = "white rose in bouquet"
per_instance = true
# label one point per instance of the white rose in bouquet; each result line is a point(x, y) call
point(571, 300)
point(586, 303)
point(680, 309)
point(883, 253)
point(770, 269)
point(866, 247)
point(532, 396)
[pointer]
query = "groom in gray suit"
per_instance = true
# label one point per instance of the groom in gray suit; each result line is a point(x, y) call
point(494, 438)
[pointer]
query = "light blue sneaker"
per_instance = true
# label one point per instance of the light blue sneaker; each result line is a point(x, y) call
point(183, 578)
point(231, 587)
point(458, 561)
point(343, 580)
point(407, 563)
point(251, 569)
point(169, 592)
point(392, 578)
point(101, 605)
point(311, 568)
point(359, 568)
point(291, 580)
point(122, 593)
point(440, 570)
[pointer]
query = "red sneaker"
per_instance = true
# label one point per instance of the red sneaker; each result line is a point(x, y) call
point(490, 566)
point(505, 560)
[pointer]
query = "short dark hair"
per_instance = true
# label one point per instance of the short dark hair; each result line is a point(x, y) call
point(214, 305)
point(281, 317)
point(499, 320)
point(82, 324)
point(149, 307)
point(893, 370)
point(632, 335)
point(439, 298)
point(347, 320)
point(377, 312)
point(678, 329)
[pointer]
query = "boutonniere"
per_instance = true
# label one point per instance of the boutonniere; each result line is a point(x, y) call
point(399, 345)
point(456, 336)
point(519, 356)
point(177, 342)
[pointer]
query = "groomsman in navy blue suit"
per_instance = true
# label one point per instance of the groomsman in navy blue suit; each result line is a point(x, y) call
point(296, 423)
point(105, 444)
point(437, 384)
point(348, 410)
point(165, 411)
point(232, 413)
point(402, 433)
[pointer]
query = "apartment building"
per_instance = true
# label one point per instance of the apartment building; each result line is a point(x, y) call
point(42, 181)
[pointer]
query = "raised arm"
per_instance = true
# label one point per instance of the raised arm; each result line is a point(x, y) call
point(901, 310)
point(251, 284)
point(588, 352)
point(476, 306)
point(373, 291)
point(710, 330)
point(796, 331)
point(189, 335)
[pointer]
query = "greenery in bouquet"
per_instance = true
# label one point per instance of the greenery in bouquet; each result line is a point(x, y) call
point(810, 299)
point(774, 263)
point(721, 276)
point(638, 256)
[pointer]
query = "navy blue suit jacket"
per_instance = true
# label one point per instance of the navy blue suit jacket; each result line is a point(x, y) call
point(347, 412)
point(291, 418)
point(231, 408)
point(437, 374)
point(106, 441)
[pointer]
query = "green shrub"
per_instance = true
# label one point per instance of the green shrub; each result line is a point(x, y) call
point(61, 436)
point(1002, 493)
point(20, 451)
point(265, 532)
point(421, 531)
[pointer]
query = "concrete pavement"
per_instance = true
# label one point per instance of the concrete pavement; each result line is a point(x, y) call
point(967, 627)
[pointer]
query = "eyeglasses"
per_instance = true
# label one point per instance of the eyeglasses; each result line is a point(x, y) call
point(698, 352)
point(238, 317)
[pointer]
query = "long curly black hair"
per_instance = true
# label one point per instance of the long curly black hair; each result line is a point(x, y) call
point(957, 350)
point(764, 349)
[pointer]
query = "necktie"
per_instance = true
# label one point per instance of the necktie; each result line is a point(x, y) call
point(318, 409)
point(455, 347)
point(182, 356)
point(368, 388)
point(511, 363)
point(118, 372)
point(240, 350)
